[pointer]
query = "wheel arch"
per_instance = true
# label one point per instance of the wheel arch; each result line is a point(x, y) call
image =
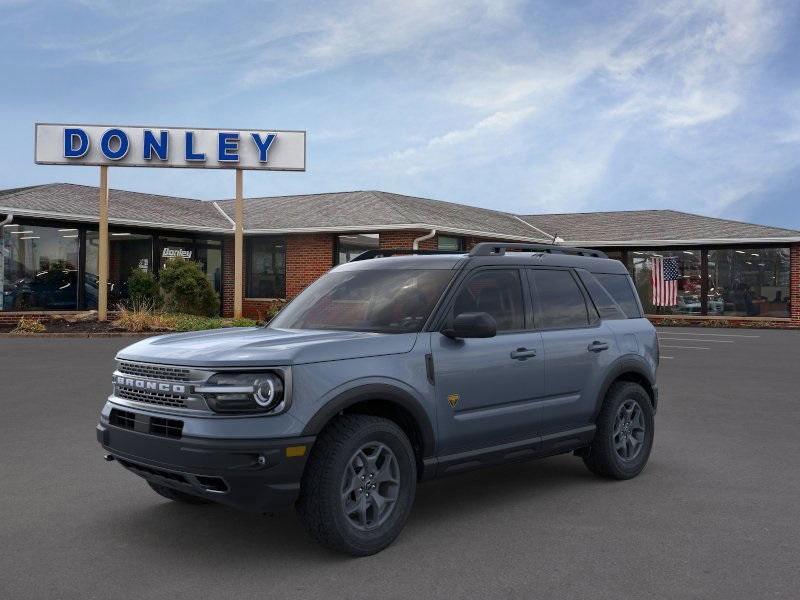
point(631, 369)
point(386, 401)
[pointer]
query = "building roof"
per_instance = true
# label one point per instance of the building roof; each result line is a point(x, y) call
point(80, 203)
point(371, 211)
point(643, 227)
point(374, 210)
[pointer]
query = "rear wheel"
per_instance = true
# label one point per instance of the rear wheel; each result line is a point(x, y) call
point(177, 495)
point(624, 436)
point(359, 485)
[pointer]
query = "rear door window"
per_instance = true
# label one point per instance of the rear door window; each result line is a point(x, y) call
point(621, 290)
point(607, 307)
point(561, 303)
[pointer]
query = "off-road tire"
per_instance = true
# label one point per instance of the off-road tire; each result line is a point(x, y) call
point(602, 457)
point(320, 502)
point(176, 495)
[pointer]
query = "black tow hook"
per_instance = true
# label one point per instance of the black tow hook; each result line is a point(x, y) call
point(108, 457)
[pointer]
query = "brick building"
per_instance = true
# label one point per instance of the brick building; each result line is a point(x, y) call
point(743, 273)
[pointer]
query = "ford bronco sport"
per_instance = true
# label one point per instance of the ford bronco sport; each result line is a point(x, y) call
point(389, 370)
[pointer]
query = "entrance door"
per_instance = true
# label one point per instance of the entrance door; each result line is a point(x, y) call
point(486, 389)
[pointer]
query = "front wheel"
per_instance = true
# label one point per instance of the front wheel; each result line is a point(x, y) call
point(624, 436)
point(359, 485)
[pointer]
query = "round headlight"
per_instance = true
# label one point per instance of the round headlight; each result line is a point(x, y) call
point(264, 392)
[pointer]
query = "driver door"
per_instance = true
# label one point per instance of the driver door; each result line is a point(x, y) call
point(486, 388)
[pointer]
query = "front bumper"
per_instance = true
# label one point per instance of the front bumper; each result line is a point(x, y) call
point(256, 475)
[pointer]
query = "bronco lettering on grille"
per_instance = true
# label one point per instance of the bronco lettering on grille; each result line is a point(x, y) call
point(156, 386)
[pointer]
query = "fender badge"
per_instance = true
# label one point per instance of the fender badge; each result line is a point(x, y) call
point(453, 399)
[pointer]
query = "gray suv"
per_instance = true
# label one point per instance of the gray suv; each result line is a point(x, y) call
point(389, 370)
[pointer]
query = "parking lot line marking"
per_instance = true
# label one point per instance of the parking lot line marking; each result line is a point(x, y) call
point(736, 335)
point(672, 339)
point(688, 347)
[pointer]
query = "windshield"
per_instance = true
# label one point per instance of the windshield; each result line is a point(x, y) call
point(383, 301)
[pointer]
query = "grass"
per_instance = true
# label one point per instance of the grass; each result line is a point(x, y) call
point(143, 318)
point(26, 325)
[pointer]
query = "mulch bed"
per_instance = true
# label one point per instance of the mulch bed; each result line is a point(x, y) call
point(62, 326)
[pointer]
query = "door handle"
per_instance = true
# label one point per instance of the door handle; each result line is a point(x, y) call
point(522, 353)
point(598, 346)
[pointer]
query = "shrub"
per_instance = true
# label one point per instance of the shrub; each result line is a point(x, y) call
point(186, 290)
point(143, 289)
point(26, 325)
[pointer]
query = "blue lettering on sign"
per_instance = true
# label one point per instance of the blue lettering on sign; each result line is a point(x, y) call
point(263, 145)
point(122, 148)
point(159, 146)
point(71, 136)
point(228, 147)
point(190, 153)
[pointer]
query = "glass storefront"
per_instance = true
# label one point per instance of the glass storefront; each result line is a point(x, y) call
point(350, 246)
point(39, 267)
point(749, 282)
point(683, 293)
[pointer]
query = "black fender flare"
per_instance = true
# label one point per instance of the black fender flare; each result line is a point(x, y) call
point(626, 364)
point(376, 391)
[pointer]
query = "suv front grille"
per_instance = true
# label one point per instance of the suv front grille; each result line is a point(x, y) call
point(155, 371)
point(151, 397)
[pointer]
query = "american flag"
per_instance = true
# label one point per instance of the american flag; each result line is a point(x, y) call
point(665, 280)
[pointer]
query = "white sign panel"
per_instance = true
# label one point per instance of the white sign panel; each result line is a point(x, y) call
point(123, 146)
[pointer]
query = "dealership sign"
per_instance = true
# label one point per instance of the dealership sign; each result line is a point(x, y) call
point(192, 148)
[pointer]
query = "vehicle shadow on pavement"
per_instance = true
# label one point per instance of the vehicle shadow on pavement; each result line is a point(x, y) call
point(210, 533)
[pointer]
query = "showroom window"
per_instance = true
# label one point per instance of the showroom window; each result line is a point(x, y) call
point(669, 281)
point(748, 282)
point(128, 252)
point(266, 267)
point(350, 246)
point(39, 267)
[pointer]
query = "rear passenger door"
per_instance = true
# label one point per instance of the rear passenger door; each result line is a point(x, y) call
point(578, 348)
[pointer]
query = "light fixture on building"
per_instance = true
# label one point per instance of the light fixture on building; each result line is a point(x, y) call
point(118, 234)
point(12, 225)
point(30, 237)
point(741, 252)
point(688, 252)
point(68, 230)
point(754, 254)
point(21, 232)
point(74, 235)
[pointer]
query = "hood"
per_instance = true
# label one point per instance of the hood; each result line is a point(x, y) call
point(262, 346)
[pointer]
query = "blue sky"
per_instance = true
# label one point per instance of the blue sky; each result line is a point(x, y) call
point(557, 106)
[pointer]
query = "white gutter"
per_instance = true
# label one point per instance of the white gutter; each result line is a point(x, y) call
point(224, 214)
point(427, 236)
point(686, 242)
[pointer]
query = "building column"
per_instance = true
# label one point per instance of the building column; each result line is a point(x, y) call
point(794, 283)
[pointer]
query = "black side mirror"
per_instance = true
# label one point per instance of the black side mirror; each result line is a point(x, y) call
point(472, 325)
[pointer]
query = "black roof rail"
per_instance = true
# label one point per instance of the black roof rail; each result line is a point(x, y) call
point(385, 252)
point(499, 249)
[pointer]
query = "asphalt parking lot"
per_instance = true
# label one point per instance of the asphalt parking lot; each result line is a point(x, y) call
point(716, 514)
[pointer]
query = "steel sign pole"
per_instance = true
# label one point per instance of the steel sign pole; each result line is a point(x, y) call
point(238, 255)
point(102, 267)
